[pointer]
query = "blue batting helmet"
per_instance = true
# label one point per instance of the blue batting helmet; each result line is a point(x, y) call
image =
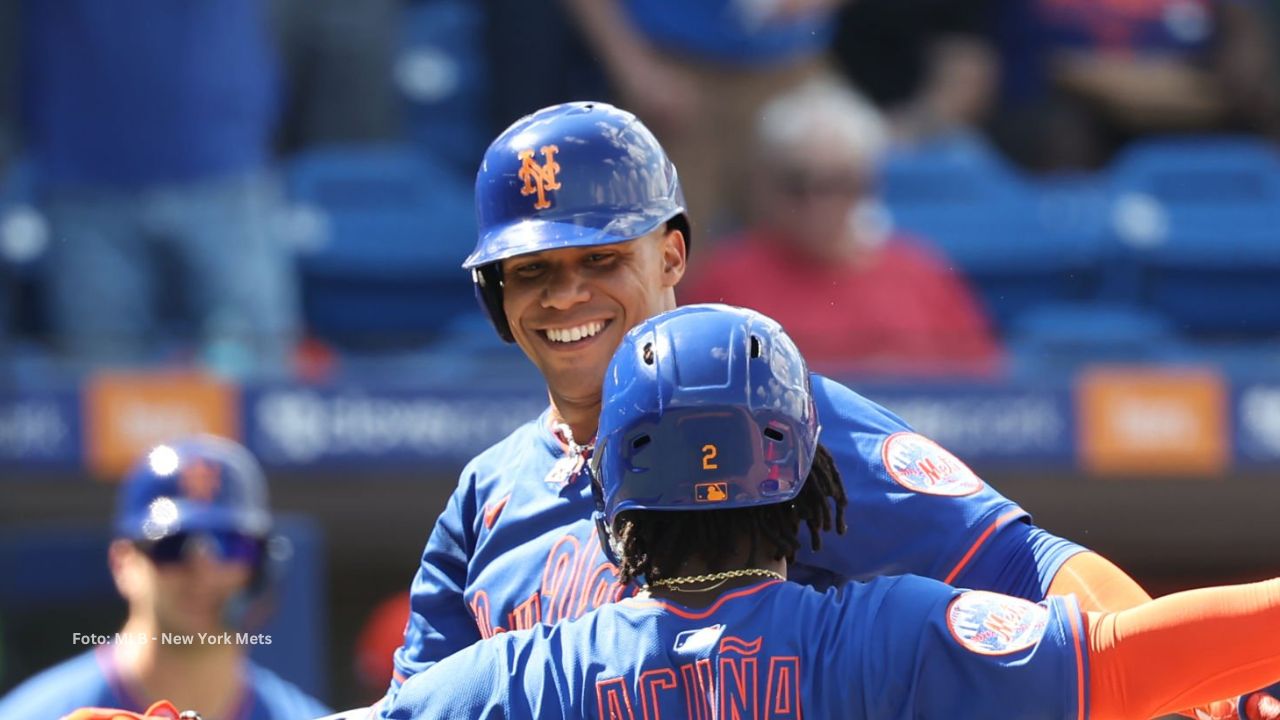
point(202, 483)
point(571, 175)
point(706, 407)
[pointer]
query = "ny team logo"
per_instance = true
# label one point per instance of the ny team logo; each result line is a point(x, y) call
point(539, 178)
point(991, 624)
point(921, 465)
point(200, 480)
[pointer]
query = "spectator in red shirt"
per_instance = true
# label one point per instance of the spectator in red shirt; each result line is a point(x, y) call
point(819, 258)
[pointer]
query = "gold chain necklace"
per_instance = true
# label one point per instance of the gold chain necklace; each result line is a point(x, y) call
point(721, 576)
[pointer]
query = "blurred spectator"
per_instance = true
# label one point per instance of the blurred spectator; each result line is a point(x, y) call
point(928, 63)
point(191, 557)
point(698, 71)
point(148, 125)
point(337, 58)
point(818, 258)
point(537, 58)
point(1082, 77)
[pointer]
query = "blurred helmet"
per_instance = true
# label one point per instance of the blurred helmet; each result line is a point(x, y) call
point(706, 407)
point(199, 484)
point(571, 175)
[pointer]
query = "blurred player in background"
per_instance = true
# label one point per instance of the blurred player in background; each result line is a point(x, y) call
point(584, 235)
point(190, 557)
point(707, 466)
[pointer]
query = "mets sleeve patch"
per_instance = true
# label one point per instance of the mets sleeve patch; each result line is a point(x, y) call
point(992, 624)
point(921, 465)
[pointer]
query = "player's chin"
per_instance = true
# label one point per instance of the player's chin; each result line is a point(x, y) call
point(577, 380)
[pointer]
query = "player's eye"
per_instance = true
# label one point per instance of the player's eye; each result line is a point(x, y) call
point(601, 258)
point(529, 270)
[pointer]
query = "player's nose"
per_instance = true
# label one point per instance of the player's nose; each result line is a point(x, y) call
point(565, 288)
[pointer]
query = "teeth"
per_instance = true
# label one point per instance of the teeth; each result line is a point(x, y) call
point(565, 335)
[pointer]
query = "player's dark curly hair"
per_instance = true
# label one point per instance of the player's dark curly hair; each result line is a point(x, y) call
point(654, 542)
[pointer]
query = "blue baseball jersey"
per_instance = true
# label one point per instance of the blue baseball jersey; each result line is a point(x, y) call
point(516, 545)
point(93, 679)
point(903, 647)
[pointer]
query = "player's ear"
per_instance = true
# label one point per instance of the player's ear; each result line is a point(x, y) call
point(126, 565)
point(672, 247)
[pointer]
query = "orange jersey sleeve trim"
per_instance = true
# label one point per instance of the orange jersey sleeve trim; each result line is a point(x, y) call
point(986, 535)
point(1183, 650)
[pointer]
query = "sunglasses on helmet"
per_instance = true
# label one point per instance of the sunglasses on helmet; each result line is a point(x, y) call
point(225, 546)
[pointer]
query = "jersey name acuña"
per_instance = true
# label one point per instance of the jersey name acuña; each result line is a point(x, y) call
point(902, 647)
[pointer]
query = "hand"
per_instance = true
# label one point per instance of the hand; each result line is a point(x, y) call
point(1260, 705)
point(661, 92)
point(1145, 93)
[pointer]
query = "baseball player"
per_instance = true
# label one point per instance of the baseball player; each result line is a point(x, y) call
point(189, 556)
point(706, 470)
point(583, 235)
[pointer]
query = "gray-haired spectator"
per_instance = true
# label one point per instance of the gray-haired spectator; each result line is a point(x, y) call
point(822, 261)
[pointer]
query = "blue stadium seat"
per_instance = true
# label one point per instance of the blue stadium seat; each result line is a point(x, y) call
point(1058, 338)
point(1200, 219)
point(441, 74)
point(382, 233)
point(1019, 243)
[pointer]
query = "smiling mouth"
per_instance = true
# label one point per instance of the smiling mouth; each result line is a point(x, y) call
point(573, 336)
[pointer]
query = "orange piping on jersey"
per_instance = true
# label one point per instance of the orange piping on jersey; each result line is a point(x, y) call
point(690, 615)
point(1077, 636)
point(978, 543)
point(399, 676)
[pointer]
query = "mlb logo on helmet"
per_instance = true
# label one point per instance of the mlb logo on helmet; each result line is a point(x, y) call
point(711, 492)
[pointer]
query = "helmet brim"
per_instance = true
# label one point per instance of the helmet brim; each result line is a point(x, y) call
point(530, 236)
